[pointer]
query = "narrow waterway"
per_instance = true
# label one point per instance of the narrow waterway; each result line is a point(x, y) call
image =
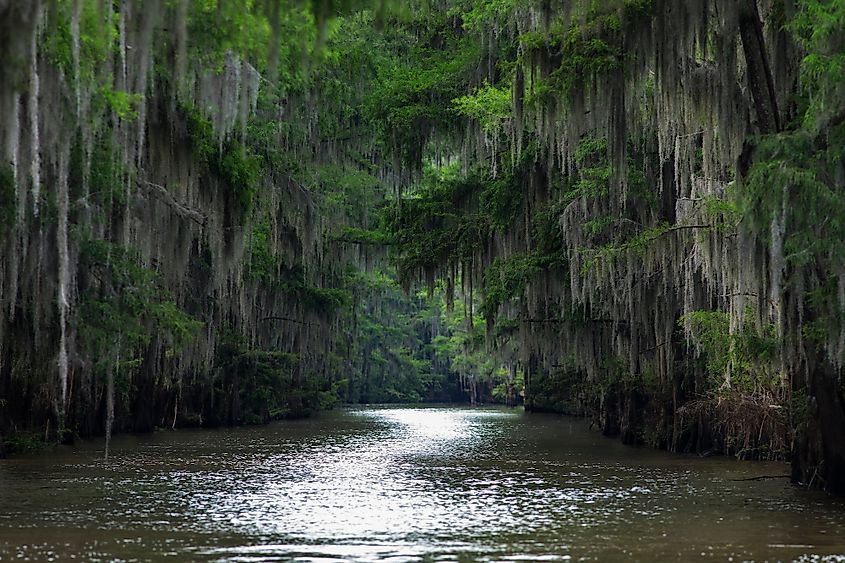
point(406, 484)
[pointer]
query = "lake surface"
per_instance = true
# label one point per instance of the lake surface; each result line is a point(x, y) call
point(405, 484)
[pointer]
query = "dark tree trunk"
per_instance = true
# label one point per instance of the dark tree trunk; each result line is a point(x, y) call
point(610, 413)
point(530, 372)
point(760, 80)
point(819, 456)
point(144, 407)
point(631, 424)
point(297, 408)
point(669, 195)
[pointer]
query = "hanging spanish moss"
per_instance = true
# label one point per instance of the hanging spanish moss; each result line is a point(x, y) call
point(636, 209)
point(222, 213)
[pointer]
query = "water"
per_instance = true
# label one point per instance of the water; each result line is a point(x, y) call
point(406, 484)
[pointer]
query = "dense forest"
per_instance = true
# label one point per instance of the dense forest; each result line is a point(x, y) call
point(220, 212)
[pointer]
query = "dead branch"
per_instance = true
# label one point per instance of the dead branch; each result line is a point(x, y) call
point(163, 195)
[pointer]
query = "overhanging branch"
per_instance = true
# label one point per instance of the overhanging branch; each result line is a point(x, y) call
point(163, 195)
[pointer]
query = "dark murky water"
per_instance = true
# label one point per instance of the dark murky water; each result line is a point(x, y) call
point(406, 484)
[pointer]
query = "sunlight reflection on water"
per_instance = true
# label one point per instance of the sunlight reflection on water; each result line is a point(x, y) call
point(367, 487)
point(405, 484)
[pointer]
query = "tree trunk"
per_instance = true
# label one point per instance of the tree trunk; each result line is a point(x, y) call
point(668, 192)
point(760, 80)
point(819, 456)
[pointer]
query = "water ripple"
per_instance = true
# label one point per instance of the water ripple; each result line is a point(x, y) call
point(401, 484)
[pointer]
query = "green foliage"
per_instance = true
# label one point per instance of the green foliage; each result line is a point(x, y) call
point(807, 201)
point(462, 347)
point(547, 236)
point(490, 105)
point(746, 357)
point(261, 385)
point(363, 236)
point(391, 362)
point(217, 27)
point(561, 390)
point(57, 44)
point(96, 40)
point(616, 376)
point(588, 49)
point(412, 93)
point(123, 104)
point(712, 336)
point(801, 162)
point(639, 244)
point(594, 171)
point(507, 390)
point(818, 27)
point(791, 192)
point(262, 380)
point(598, 225)
point(501, 200)
point(124, 306)
point(25, 443)
point(328, 393)
point(239, 168)
point(201, 134)
point(506, 279)
point(106, 175)
point(349, 93)
point(502, 197)
point(428, 226)
point(348, 194)
point(591, 150)
point(233, 162)
point(483, 14)
point(800, 166)
point(324, 301)
point(725, 212)
point(263, 265)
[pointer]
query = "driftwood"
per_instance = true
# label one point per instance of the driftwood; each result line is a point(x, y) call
point(762, 477)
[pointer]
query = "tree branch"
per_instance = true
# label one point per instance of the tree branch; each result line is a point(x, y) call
point(163, 195)
point(286, 319)
point(597, 321)
point(655, 347)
